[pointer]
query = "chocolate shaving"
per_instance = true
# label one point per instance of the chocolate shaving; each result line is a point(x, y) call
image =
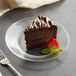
point(37, 23)
point(44, 19)
point(39, 17)
point(42, 24)
point(33, 23)
point(50, 23)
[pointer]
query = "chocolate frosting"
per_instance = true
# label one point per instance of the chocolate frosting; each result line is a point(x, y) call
point(39, 22)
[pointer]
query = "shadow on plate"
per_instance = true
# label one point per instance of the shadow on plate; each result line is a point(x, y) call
point(36, 52)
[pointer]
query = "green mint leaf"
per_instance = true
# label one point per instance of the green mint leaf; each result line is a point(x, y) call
point(56, 50)
point(45, 51)
point(51, 48)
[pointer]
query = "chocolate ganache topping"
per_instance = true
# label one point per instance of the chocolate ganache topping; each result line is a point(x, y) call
point(39, 22)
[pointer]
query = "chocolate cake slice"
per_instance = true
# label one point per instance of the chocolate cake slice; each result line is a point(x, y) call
point(40, 32)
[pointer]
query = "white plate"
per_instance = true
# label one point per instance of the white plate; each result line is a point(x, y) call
point(15, 41)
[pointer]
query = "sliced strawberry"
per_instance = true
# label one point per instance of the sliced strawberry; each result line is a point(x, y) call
point(52, 42)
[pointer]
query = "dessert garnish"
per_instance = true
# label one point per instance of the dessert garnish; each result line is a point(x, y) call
point(52, 47)
point(52, 42)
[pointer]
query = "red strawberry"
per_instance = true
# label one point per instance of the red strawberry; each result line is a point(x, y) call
point(52, 42)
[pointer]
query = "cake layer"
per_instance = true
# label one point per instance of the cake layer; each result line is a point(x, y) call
point(38, 43)
point(40, 33)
